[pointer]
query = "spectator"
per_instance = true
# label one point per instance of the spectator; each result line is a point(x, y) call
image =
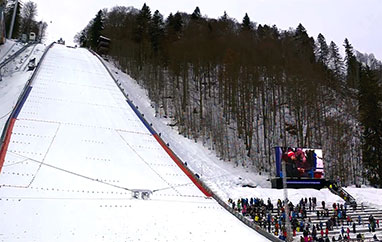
point(339, 238)
point(359, 237)
point(375, 237)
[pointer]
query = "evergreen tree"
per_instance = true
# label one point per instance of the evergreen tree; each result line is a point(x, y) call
point(322, 50)
point(335, 60)
point(196, 14)
point(142, 24)
point(351, 65)
point(371, 120)
point(156, 31)
point(177, 23)
point(174, 26)
point(305, 44)
point(96, 29)
point(301, 31)
point(246, 24)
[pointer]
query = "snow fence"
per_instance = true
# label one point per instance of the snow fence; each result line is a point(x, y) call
point(199, 183)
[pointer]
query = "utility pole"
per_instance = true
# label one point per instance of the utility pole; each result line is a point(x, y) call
point(40, 32)
point(13, 19)
point(288, 227)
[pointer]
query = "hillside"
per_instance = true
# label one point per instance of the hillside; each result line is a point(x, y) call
point(242, 88)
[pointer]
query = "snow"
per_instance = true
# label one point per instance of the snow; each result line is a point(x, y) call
point(14, 76)
point(77, 151)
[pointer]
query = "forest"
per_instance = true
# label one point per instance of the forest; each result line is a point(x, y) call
point(243, 88)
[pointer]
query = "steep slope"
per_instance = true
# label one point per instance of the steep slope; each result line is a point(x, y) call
point(76, 153)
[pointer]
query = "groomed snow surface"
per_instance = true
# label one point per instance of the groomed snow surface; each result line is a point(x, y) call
point(78, 150)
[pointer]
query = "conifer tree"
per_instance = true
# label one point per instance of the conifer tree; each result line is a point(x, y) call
point(335, 60)
point(351, 65)
point(305, 44)
point(177, 23)
point(300, 30)
point(322, 50)
point(371, 120)
point(174, 25)
point(156, 31)
point(246, 24)
point(142, 24)
point(196, 14)
point(96, 29)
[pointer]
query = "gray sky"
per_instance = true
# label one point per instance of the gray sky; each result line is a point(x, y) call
point(358, 20)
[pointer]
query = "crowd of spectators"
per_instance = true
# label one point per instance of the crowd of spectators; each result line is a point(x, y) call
point(315, 227)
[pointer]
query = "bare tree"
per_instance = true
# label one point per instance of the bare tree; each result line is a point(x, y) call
point(28, 14)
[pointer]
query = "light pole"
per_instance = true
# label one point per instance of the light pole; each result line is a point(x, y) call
point(40, 32)
point(286, 206)
point(13, 19)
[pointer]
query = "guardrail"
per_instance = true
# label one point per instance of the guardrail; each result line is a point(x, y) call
point(12, 57)
point(16, 108)
point(243, 219)
point(342, 193)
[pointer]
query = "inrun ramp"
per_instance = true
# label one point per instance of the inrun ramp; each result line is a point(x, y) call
point(75, 153)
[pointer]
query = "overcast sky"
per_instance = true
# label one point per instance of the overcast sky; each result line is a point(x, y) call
point(358, 20)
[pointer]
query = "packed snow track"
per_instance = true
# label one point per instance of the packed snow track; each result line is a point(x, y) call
point(76, 153)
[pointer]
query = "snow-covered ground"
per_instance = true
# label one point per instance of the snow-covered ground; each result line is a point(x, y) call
point(76, 154)
point(14, 75)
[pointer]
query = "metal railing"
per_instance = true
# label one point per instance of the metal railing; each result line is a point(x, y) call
point(14, 55)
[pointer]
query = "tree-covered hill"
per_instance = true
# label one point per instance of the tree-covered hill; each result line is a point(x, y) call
point(243, 88)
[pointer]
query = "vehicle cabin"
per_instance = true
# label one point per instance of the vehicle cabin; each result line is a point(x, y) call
point(103, 45)
point(61, 41)
point(32, 36)
point(24, 38)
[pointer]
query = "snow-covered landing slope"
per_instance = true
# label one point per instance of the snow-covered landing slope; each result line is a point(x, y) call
point(75, 152)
